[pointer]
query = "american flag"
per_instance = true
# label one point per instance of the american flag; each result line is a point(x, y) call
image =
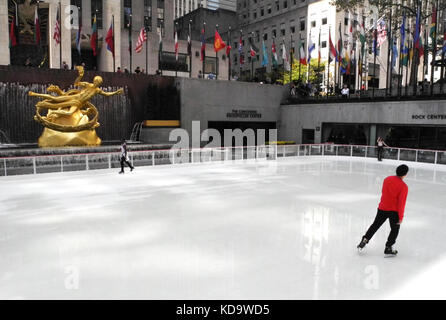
point(141, 39)
point(56, 35)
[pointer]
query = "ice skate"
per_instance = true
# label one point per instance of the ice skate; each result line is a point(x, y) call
point(362, 244)
point(121, 172)
point(389, 252)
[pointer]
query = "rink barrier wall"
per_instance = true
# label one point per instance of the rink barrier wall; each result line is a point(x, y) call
point(110, 160)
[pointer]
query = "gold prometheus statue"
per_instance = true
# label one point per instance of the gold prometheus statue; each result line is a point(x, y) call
point(71, 119)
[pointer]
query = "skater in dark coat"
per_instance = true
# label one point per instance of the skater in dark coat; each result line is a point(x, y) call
point(392, 205)
point(124, 157)
point(381, 145)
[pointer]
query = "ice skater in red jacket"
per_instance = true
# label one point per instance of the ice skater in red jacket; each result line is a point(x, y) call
point(393, 202)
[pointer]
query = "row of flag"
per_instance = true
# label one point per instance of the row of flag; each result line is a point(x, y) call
point(336, 53)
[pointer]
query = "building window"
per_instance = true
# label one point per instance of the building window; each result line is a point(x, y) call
point(78, 4)
point(302, 25)
point(269, 9)
point(127, 13)
point(274, 32)
point(277, 5)
point(292, 29)
point(285, 4)
point(148, 15)
point(168, 62)
point(262, 12)
point(96, 9)
point(323, 44)
point(257, 36)
point(282, 29)
point(324, 21)
point(313, 24)
point(160, 17)
point(254, 15)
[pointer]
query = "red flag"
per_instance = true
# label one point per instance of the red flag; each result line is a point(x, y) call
point(228, 50)
point(94, 36)
point(218, 42)
point(110, 39)
point(12, 36)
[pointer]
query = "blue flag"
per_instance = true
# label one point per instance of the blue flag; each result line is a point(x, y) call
point(265, 54)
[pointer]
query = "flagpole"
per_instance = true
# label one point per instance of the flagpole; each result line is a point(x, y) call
point(60, 30)
point(229, 56)
point(240, 52)
point(292, 58)
point(216, 58)
point(131, 44)
point(204, 53)
point(252, 58)
point(176, 52)
point(409, 62)
point(190, 50)
point(434, 48)
point(147, 50)
point(443, 53)
point(375, 46)
point(389, 41)
point(114, 61)
point(416, 50)
point(319, 59)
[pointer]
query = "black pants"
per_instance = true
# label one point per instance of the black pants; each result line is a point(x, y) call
point(380, 218)
point(124, 160)
point(380, 153)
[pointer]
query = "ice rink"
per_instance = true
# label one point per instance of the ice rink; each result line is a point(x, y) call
point(284, 229)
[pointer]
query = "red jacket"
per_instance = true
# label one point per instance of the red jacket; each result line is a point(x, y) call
point(394, 195)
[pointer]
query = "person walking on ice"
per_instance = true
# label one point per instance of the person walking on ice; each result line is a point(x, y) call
point(391, 206)
point(124, 157)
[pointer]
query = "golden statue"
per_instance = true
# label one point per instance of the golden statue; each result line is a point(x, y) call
point(71, 119)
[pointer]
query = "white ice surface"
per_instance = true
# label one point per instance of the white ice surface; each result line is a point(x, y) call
point(285, 229)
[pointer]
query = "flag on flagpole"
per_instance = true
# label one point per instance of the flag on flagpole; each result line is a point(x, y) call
point(218, 42)
point(274, 55)
point(394, 54)
point(382, 32)
point(109, 39)
point(37, 34)
point(333, 53)
point(340, 44)
point(253, 50)
point(141, 39)
point(94, 36)
point(286, 62)
point(203, 45)
point(302, 57)
point(416, 38)
point(311, 47)
point(265, 54)
point(362, 37)
point(189, 42)
point(444, 41)
point(433, 24)
point(56, 35)
point(12, 32)
point(240, 50)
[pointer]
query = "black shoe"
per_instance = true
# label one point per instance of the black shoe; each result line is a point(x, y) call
point(120, 172)
point(131, 169)
point(362, 244)
point(390, 252)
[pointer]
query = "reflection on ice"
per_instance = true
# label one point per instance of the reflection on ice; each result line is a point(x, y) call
point(285, 229)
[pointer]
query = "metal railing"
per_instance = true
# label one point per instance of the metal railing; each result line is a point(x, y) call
point(401, 154)
point(94, 161)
